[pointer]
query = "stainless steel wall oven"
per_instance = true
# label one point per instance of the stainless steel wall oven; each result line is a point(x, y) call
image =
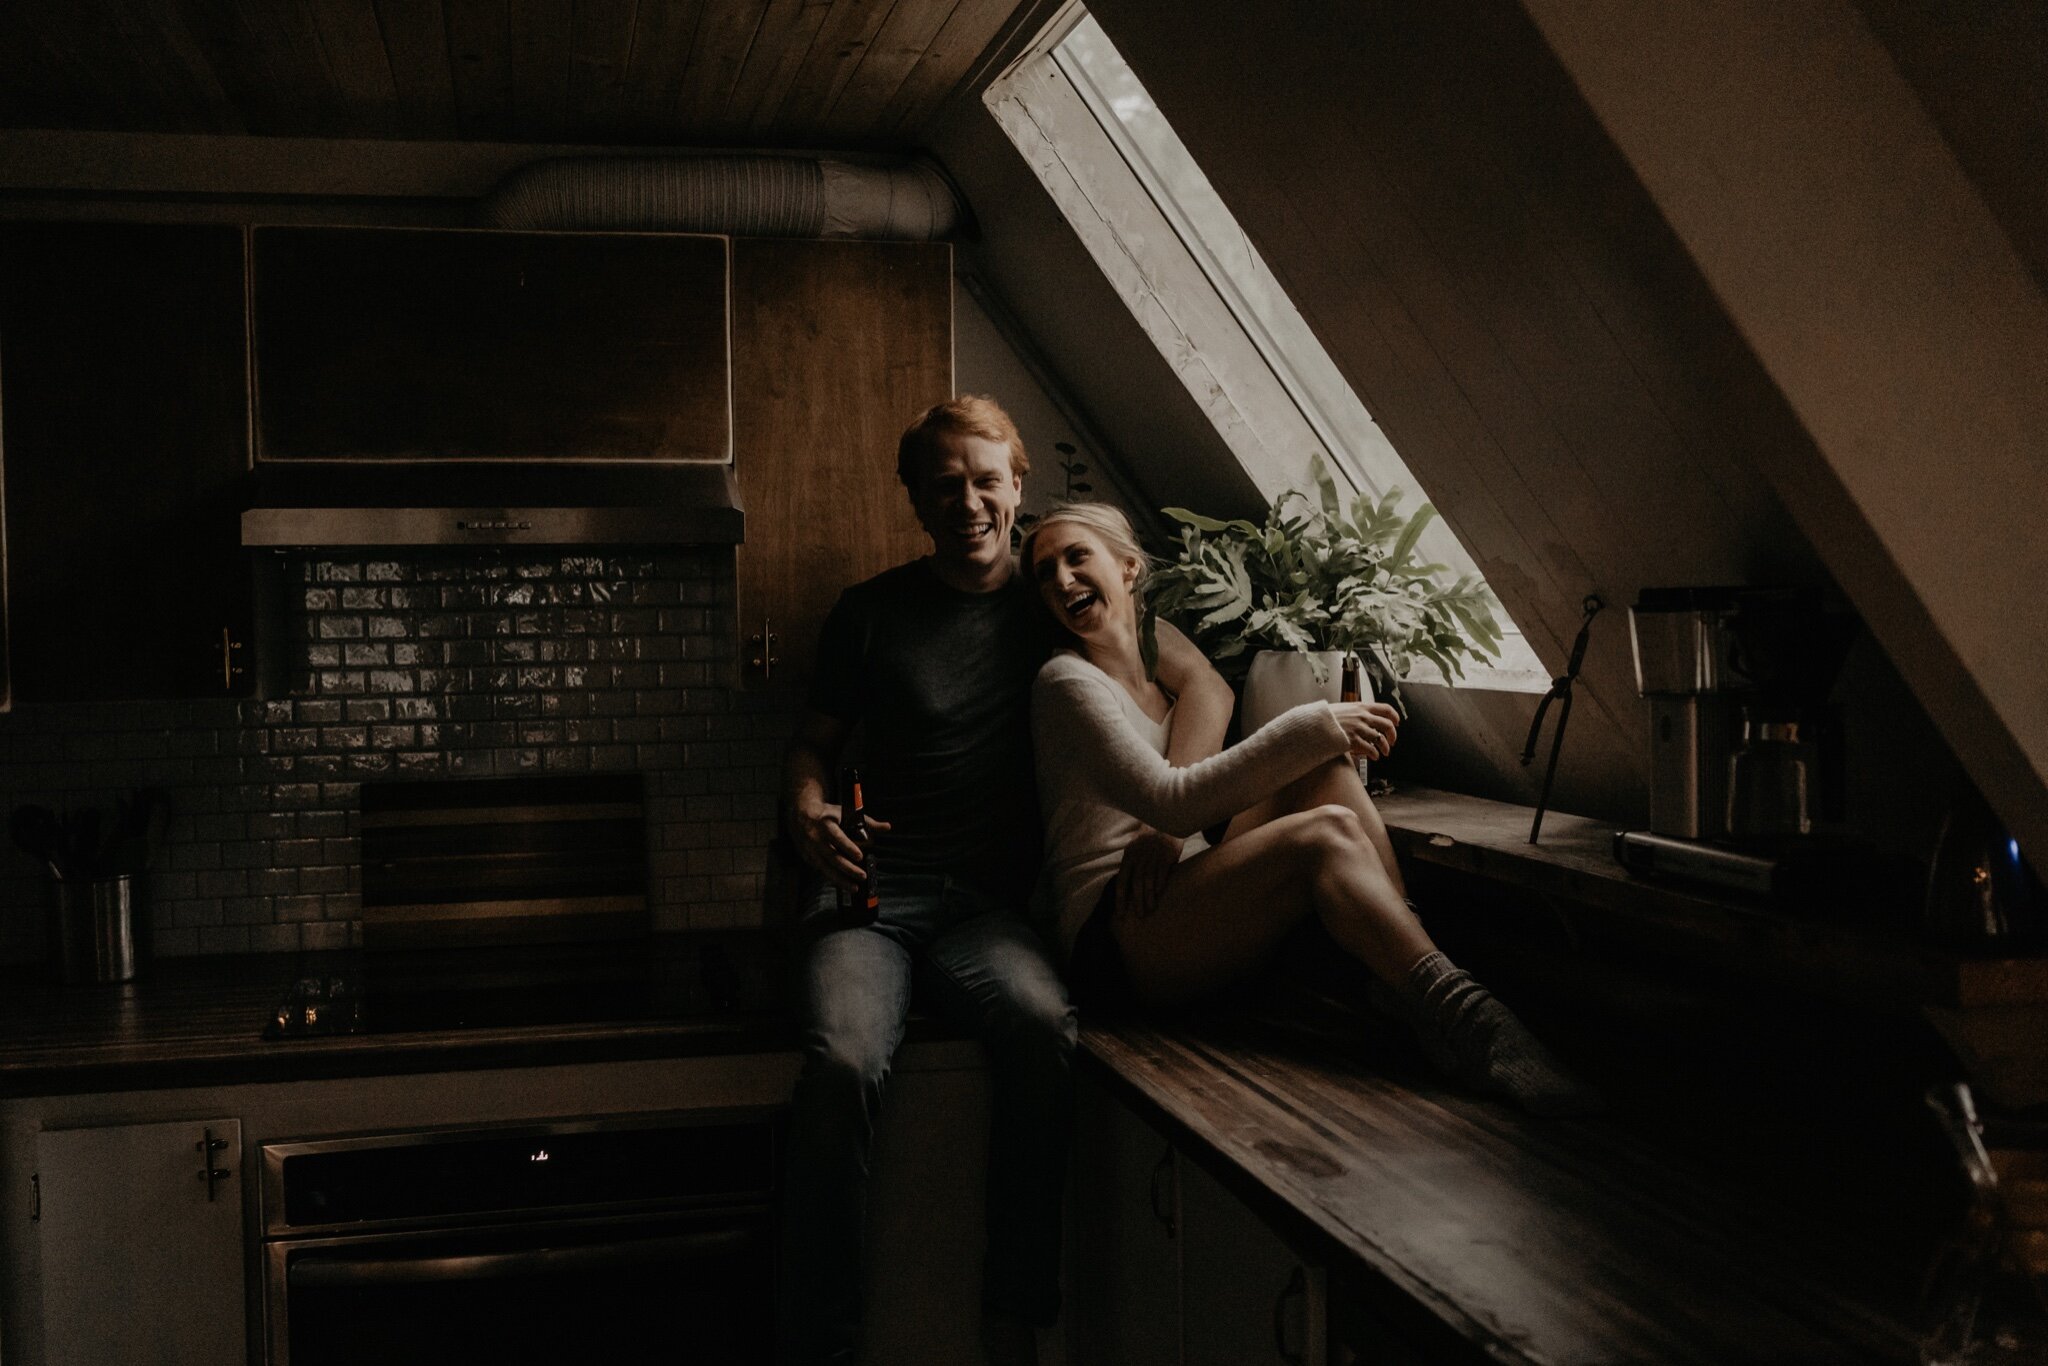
point(626, 1239)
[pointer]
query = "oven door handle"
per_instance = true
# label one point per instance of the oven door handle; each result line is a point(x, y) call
point(317, 1269)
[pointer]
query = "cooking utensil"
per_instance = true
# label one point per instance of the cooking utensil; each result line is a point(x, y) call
point(82, 842)
point(138, 825)
point(36, 831)
point(82, 845)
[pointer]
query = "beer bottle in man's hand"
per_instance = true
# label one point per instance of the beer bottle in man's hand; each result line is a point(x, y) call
point(866, 902)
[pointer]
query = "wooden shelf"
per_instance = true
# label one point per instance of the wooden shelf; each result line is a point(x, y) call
point(1575, 866)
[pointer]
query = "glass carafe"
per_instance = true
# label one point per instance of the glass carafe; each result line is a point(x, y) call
point(1990, 1283)
point(1767, 780)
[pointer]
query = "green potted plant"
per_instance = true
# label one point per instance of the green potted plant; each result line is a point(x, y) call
point(1317, 581)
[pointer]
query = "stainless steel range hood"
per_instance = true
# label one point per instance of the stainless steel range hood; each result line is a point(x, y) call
point(490, 504)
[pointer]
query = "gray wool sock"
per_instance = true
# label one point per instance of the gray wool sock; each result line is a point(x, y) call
point(1470, 1036)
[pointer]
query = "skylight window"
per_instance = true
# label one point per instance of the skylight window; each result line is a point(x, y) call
point(1193, 280)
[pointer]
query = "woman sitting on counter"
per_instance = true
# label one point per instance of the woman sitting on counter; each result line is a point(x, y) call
point(1302, 837)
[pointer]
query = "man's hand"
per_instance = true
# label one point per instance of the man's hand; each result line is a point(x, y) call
point(1141, 878)
point(822, 842)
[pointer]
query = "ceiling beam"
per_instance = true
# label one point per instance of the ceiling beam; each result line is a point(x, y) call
point(47, 161)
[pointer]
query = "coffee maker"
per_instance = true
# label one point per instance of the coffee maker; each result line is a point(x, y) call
point(1743, 744)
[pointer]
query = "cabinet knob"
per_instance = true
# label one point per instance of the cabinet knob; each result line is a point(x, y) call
point(229, 670)
point(208, 1147)
point(1165, 1198)
point(762, 643)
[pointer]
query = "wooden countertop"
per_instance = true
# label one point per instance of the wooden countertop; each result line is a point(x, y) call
point(200, 1021)
point(1478, 1234)
point(1831, 950)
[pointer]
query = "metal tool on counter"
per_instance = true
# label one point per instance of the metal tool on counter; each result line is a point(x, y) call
point(1560, 692)
point(1982, 893)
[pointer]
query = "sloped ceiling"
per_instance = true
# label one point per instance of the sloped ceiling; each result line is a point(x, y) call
point(1977, 67)
point(1481, 257)
point(1892, 300)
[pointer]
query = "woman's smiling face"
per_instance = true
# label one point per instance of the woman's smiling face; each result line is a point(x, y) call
point(1080, 579)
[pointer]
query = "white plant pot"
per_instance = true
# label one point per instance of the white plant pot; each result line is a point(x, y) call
point(1282, 679)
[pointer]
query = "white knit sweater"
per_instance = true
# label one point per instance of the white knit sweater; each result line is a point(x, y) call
point(1102, 772)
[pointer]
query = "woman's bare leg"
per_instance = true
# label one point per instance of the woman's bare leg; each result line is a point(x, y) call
point(1330, 784)
point(1224, 910)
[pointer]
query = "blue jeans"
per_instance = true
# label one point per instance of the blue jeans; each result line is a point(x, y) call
point(974, 960)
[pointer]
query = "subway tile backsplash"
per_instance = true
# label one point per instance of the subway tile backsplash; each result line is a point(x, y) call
point(435, 663)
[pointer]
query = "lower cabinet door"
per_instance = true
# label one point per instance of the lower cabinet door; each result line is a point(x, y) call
point(1123, 1249)
point(1246, 1298)
point(140, 1235)
point(925, 1228)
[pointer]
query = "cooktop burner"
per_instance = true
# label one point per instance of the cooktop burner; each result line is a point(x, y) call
point(674, 977)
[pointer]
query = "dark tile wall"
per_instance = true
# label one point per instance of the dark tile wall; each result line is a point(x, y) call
point(437, 664)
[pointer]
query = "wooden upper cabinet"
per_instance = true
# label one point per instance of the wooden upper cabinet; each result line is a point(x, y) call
point(836, 347)
point(380, 344)
point(124, 435)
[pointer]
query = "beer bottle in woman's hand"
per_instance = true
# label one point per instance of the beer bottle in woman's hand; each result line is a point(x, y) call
point(866, 901)
point(1348, 690)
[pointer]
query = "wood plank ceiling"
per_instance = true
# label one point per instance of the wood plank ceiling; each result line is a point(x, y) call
point(817, 73)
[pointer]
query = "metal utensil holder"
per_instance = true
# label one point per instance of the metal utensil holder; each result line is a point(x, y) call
point(93, 928)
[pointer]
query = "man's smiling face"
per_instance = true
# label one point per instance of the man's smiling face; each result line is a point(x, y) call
point(967, 502)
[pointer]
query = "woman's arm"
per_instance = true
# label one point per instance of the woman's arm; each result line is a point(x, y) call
point(1201, 715)
point(1084, 717)
point(1202, 700)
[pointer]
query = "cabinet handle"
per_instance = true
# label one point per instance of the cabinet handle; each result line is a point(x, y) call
point(1309, 1285)
point(210, 1174)
point(229, 670)
point(762, 643)
point(1163, 1203)
point(1297, 1286)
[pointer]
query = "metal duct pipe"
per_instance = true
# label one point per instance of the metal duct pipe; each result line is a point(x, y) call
point(747, 196)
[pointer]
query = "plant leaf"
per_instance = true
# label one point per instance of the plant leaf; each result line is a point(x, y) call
point(1399, 554)
point(1326, 487)
point(1195, 519)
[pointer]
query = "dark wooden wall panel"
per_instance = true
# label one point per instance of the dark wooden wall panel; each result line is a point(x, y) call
point(836, 347)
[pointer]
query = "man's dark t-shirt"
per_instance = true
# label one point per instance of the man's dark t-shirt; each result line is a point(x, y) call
point(942, 680)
